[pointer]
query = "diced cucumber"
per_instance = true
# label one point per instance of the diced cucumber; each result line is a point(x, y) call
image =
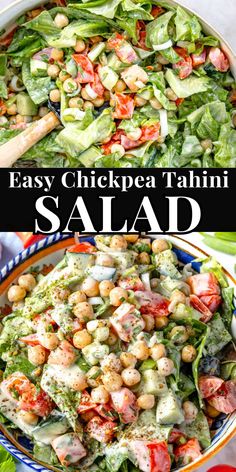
point(38, 68)
point(100, 273)
point(114, 62)
point(79, 262)
point(88, 157)
point(96, 51)
point(169, 410)
point(26, 106)
point(94, 352)
point(108, 77)
point(153, 383)
point(55, 425)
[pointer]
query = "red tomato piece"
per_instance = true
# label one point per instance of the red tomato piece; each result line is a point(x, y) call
point(131, 283)
point(114, 41)
point(7, 39)
point(208, 385)
point(199, 59)
point(212, 302)
point(184, 67)
point(179, 101)
point(124, 106)
point(152, 303)
point(68, 449)
point(97, 86)
point(38, 403)
point(30, 340)
point(159, 457)
point(15, 385)
point(176, 437)
point(198, 305)
point(85, 69)
point(63, 355)
point(224, 400)
point(129, 144)
point(188, 452)
point(204, 284)
point(123, 49)
point(219, 59)
point(150, 133)
point(86, 403)
point(3, 107)
point(106, 411)
point(102, 431)
point(83, 247)
point(124, 402)
point(157, 11)
point(126, 321)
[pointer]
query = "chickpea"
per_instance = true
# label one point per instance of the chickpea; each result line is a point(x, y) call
point(27, 282)
point(29, 418)
point(188, 353)
point(55, 95)
point(120, 86)
point(100, 395)
point(70, 85)
point(118, 148)
point(176, 297)
point(155, 104)
point(107, 95)
point(61, 21)
point(80, 45)
point(105, 260)
point(158, 351)
point(161, 322)
point(94, 376)
point(170, 94)
point(37, 355)
point(139, 101)
point(140, 350)
point(111, 362)
point(79, 382)
point(105, 288)
point(143, 258)
point(16, 293)
point(98, 102)
point(75, 102)
point(131, 238)
point(60, 294)
point(20, 119)
point(84, 95)
point(88, 105)
point(128, 360)
point(207, 144)
point(154, 283)
point(149, 322)
point(179, 335)
point(190, 411)
point(211, 411)
point(112, 339)
point(90, 287)
point(53, 71)
point(162, 60)
point(159, 245)
point(83, 311)
point(63, 75)
point(118, 295)
point(77, 297)
point(96, 39)
point(165, 366)
point(102, 334)
point(93, 325)
point(130, 376)
point(118, 243)
point(82, 339)
point(112, 381)
point(57, 54)
point(146, 401)
point(49, 341)
point(12, 110)
point(135, 134)
point(43, 111)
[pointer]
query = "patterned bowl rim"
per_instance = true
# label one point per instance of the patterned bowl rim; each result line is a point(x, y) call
point(54, 243)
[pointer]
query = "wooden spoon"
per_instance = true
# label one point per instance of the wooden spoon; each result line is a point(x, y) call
point(17, 146)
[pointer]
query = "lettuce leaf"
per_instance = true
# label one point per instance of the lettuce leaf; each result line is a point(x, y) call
point(225, 147)
point(25, 43)
point(99, 7)
point(158, 30)
point(228, 305)
point(43, 24)
point(208, 126)
point(80, 28)
point(188, 27)
point(38, 88)
point(3, 89)
point(199, 428)
point(218, 336)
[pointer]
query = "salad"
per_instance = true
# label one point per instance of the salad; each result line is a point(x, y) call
point(120, 358)
point(136, 84)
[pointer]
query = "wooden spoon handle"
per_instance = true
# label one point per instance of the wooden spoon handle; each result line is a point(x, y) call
point(17, 146)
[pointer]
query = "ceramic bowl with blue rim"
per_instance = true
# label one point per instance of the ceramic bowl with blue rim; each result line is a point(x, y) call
point(50, 251)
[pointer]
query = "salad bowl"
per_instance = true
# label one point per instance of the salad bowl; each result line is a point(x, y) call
point(50, 251)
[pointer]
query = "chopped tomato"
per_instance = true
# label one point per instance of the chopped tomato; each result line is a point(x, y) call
point(124, 106)
point(15, 385)
point(219, 59)
point(129, 143)
point(157, 11)
point(188, 452)
point(97, 86)
point(86, 403)
point(106, 411)
point(3, 108)
point(115, 139)
point(83, 247)
point(85, 69)
point(124, 403)
point(204, 284)
point(131, 283)
point(126, 321)
point(176, 437)
point(152, 303)
point(159, 457)
point(224, 400)
point(150, 133)
point(31, 340)
point(208, 385)
point(142, 41)
point(114, 41)
point(198, 305)
point(212, 302)
point(38, 403)
point(63, 355)
point(179, 101)
point(184, 67)
point(102, 431)
point(68, 449)
point(199, 59)
point(123, 49)
point(6, 40)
